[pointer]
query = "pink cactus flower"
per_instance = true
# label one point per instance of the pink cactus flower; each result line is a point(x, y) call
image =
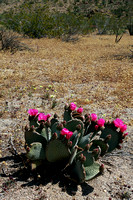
point(64, 131)
point(72, 106)
point(67, 133)
point(48, 116)
point(118, 123)
point(80, 110)
point(42, 116)
point(123, 128)
point(93, 117)
point(101, 122)
point(33, 112)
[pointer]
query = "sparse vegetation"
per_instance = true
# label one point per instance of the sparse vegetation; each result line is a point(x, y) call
point(48, 19)
point(10, 41)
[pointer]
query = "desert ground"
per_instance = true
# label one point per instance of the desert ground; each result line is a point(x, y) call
point(95, 73)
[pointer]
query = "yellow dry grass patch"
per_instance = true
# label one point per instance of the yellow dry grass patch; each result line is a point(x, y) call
point(94, 69)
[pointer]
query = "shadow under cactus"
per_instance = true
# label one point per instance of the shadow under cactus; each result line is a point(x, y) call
point(23, 173)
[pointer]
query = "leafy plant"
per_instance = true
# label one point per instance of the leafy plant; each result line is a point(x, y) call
point(72, 145)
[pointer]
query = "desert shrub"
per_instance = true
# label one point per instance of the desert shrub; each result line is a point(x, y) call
point(37, 22)
point(108, 24)
point(10, 41)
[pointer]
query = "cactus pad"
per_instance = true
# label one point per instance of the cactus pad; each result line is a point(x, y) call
point(103, 146)
point(115, 137)
point(89, 157)
point(77, 172)
point(92, 171)
point(57, 150)
point(32, 136)
point(67, 115)
point(72, 125)
point(36, 151)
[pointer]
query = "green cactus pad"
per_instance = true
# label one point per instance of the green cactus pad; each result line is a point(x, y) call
point(72, 125)
point(57, 150)
point(54, 128)
point(115, 137)
point(67, 115)
point(45, 132)
point(77, 172)
point(89, 157)
point(75, 138)
point(54, 120)
point(33, 121)
point(91, 128)
point(32, 136)
point(84, 141)
point(92, 171)
point(36, 151)
point(77, 115)
point(42, 131)
point(103, 146)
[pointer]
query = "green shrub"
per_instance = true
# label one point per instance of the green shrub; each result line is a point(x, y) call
point(37, 22)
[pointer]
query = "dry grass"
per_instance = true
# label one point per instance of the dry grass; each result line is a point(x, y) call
point(94, 70)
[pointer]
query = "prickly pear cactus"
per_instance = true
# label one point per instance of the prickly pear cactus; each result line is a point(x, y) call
point(77, 141)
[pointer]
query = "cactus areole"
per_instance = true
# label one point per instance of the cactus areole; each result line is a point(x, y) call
point(77, 141)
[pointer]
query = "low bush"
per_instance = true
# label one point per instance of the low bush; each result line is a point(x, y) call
point(10, 41)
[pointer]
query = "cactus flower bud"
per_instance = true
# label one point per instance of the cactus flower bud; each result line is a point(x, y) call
point(87, 146)
point(102, 168)
point(27, 149)
point(108, 137)
point(32, 128)
point(60, 127)
point(96, 127)
point(48, 123)
point(78, 127)
point(64, 123)
point(95, 151)
point(54, 136)
point(81, 155)
point(70, 144)
point(83, 159)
